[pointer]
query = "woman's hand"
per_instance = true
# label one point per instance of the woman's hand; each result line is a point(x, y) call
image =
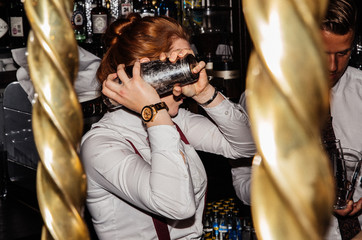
point(133, 93)
point(196, 88)
point(351, 209)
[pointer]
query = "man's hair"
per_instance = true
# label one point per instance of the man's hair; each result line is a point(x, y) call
point(341, 17)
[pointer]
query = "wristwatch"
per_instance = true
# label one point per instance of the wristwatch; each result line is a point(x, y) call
point(149, 112)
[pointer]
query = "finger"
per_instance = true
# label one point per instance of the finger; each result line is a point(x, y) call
point(136, 71)
point(173, 56)
point(111, 85)
point(106, 90)
point(177, 90)
point(181, 53)
point(201, 65)
point(144, 60)
point(163, 56)
point(347, 210)
point(110, 77)
point(122, 75)
point(357, 206)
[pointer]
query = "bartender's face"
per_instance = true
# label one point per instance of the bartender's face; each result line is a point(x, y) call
point(338, 49)
point(173, 102)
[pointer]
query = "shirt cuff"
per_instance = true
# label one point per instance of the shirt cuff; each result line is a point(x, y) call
point(164, 138)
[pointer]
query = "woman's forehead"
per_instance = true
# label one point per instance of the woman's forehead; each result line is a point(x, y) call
point(179, 43)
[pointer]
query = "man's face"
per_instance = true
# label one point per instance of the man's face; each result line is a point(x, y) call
point(338, 49)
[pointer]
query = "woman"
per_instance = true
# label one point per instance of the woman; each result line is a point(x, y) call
point(139, 169)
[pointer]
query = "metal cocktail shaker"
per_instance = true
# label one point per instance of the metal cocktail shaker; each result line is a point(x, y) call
point(162, 76)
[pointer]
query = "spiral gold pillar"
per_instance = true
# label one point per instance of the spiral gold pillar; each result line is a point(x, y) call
point(287, 97)
point(57, 119)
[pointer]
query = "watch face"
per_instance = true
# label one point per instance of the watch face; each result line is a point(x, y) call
point(147, 114)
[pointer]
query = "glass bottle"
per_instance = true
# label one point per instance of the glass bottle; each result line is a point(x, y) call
point(126, 7)
point(147, 9)
point(178, 4)
point(110, 17)
point(4, 26)
point(99, 16)
point(19, 25)
point(207, 226)
point(137, 6)
point(238, 225)
point(356, 57)
point(79, 21)
point(215, 224)
point(233, 232)
point(223, 228)
point(100, 20)
point(247, 229)
point(167, 8)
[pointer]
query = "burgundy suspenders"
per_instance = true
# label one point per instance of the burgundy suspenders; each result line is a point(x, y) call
point(159, 222)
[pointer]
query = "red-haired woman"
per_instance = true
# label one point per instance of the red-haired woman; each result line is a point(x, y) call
point(137, 170)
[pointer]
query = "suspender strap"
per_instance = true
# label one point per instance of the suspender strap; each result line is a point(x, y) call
point(183, 138)
point(161, 228)
point(159, 222)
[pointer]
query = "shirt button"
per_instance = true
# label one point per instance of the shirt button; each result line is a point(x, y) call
point(226, 112)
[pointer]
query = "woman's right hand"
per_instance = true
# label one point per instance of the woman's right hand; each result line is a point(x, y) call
point(133, 93)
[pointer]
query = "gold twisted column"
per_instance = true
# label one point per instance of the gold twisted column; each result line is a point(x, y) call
point(57, 119)
point(287, 92)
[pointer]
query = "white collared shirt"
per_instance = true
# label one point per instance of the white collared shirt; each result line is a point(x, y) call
point(120, 183)
point(346, 110)
point(86, 85)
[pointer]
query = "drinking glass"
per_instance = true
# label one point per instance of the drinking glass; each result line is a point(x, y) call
point(346, 169)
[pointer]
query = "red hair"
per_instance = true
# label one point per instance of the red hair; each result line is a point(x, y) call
point(139, 38)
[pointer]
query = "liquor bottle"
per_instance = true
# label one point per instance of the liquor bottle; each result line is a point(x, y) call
point(137, 6)
point(223, 226)
point(178, 4)
point(111, 16)
point(108, 6)
point(19, 25)
point(99, 16)
point(100, 20)
point(238, 226)
point(207, 229)
point(147, 9)
point(356, 57)
point(167, 8)
point(79, 21)
point(126, 7)
point(215, 224)
point(4, 26)
point(246, 230)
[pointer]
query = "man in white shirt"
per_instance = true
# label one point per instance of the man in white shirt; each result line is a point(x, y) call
point(86, 84)
point(338, 32)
